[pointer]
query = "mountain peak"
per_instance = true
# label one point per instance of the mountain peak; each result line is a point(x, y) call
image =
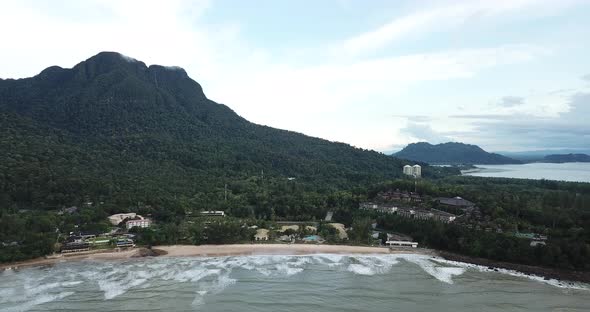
point(113, 93)
point(106, 62)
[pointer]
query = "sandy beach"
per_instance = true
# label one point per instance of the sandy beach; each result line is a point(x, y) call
point(212, 250)
point(110, 254)
point(276, 249)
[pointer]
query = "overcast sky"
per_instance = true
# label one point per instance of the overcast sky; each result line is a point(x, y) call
point(507, 75)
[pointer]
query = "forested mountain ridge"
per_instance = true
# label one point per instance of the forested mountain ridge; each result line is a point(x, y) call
point(451, 153)
point(112, 127)
point(564, 158)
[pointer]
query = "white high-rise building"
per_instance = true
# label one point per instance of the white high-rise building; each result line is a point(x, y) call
point(417, 171)
point(408, 170)
point(414, 170)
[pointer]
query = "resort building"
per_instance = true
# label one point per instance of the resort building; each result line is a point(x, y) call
point(414, 213)
point(376, 207)
point(261, 235)
point(126, 242)
point(213, 213)
point(141, 223)
point(455, 202)
point(397, 195)
point(443, 216)
point(119, 217)
point(401, 244)
point(75, 247)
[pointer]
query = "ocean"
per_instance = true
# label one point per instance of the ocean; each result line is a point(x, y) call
point(320, 282)
point(575, 172)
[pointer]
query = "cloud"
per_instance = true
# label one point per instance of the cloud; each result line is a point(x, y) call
point(434, 19)
point(414, 118)
point(483, 116)
point(568, 130)
point(423, 132)
point(511, 101)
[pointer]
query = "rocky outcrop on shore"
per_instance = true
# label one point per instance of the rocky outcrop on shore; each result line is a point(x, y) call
point(547, 273)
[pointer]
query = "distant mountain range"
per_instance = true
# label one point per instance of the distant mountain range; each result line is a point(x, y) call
point(564, 158)
point(452, 153)
point(539, 155)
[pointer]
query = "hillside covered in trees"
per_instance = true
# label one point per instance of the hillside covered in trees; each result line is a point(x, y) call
point(451, 153)
point(113, 128)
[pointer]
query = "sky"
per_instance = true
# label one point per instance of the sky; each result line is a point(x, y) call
point(506, 75)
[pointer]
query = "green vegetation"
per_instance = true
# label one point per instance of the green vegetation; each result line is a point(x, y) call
point(559, 210)
point(112, 135)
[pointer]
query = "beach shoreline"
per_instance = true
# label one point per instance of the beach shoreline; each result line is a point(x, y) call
point(546, 273)
point(277, 249)
point(287, 249)
point(212, 251)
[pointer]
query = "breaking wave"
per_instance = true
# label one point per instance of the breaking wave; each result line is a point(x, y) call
point(23, 290)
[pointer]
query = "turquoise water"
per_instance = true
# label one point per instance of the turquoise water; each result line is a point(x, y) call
point(312, 238)
point(575, 172)
point(323, 282)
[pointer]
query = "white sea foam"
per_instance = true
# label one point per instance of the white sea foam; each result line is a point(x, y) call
point(285, 269)
point(540, 279)
point(360, 269)
point(32, 302)
point(116, 285)
point(441, 273)
point(212, 287)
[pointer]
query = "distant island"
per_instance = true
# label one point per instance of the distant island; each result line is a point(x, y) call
point(452, 153)
point(565, 158)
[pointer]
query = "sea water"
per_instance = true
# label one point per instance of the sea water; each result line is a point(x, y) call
point(322, 282)
point(575, 172)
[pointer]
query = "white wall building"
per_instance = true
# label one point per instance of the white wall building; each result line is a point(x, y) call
point(142, 223)
point(408, 169)
point(118, 218)
point(417, 171)
point(414, 170)
point(213, 213)
point(401, 244)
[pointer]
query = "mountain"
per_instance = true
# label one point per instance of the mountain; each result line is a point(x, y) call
point(564, 158)
point(112, 128)
point(451, 153)
point(538, 155)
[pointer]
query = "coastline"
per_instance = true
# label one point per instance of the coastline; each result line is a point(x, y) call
point(290, 249)
point(211, 251)
point(546, 273)
point(276, 249)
